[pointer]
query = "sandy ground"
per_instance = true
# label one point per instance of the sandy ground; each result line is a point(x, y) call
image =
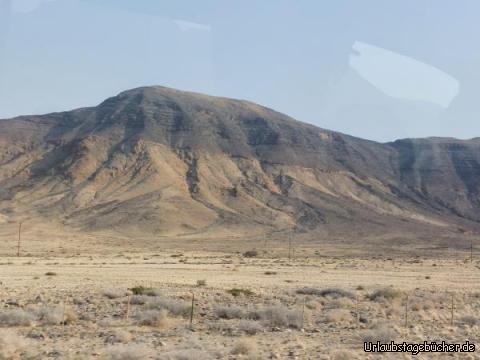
point(80, 307)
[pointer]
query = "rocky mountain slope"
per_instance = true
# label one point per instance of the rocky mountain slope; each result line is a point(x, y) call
point(160, 162)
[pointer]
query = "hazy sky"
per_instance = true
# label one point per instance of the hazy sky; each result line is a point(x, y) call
point(377, 69)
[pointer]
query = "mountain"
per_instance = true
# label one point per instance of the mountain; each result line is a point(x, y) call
point(155, 162)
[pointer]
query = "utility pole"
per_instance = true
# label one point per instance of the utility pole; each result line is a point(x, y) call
point(289, 246)
point(19, 238)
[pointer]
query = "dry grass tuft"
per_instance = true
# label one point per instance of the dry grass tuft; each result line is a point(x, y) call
point(249, 327)
point(244, 347)
point(121, 336)
point(155, 318)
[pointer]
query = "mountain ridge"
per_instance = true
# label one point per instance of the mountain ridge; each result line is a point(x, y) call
point(163, 162)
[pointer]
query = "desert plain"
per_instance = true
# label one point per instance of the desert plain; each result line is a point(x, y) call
point(277, 300)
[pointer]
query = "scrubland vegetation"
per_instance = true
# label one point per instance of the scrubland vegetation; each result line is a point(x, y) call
point(81, 313)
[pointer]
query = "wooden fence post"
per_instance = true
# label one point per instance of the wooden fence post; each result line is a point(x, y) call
point(452, 311)
point(357, 311)
point(191, 310)
point(406, 311)
point(127, 313)
point(303, 311)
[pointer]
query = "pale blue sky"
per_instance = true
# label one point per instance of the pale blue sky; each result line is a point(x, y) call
point(418, 74)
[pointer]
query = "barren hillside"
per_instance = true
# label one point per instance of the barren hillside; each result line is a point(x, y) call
point(159, 162)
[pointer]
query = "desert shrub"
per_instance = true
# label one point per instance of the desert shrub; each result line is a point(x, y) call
point(201, 283)
point(55, 315)
point(270, 273)
point(249, 327)
point(244, 347)
point(250, 253)
point(121, 336)
point(229, 312)
point(113, 293)
point(148, 291)
point(280, 316)
point(343, 355)
point(137, 300)
point(382, 333)
point(11, 345)
point(50, 273)
point(155, 318)
point(128, 352)
point(237, 292)
point(16, 317)
point(174, 307)
point(338, 316)
point(387, 293)
point(334, 293)
point(343, 302)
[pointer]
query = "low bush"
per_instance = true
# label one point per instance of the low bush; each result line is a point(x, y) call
point(154, 318)
point(250, 253)
point(387, 293)
point(16, 317)
point(280, 316)
point(229, 312)
point(249, 327)
point(244, 347)
point(174, 307)
point(237, 292)
point(334, 293)
point(56, 315)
